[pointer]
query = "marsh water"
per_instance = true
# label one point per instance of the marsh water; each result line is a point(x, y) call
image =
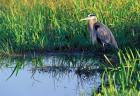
point(49, 75)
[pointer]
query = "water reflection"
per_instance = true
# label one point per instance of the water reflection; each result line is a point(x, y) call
point(49, 75)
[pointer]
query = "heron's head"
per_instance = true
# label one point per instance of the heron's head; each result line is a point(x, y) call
point(91, 18)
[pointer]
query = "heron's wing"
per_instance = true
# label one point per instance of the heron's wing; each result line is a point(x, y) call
point(105, 35)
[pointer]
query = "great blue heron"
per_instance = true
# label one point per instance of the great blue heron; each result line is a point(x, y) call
point(99, 32)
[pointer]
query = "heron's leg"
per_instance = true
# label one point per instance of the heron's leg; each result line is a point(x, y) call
point(103, 47)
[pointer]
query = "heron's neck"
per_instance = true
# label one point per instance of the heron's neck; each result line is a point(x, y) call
point(92, 32)
point(91, 26)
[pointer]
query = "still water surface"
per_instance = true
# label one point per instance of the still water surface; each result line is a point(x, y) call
point(65, 75)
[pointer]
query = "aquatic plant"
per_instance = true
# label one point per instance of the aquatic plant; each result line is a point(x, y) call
point(123, 80)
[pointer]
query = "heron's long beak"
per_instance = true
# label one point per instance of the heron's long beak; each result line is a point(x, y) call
point(87, 18)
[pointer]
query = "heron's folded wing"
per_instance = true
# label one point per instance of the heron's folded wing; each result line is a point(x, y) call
point(104, 34)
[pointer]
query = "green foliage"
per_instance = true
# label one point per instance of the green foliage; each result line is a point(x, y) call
point(27, 25)
point(125, 80)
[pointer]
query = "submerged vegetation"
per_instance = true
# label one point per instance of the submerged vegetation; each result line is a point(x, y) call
point(30, 25)
point(122, 80)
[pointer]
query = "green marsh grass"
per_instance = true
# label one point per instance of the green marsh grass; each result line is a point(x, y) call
point(123, 80)
point(30, 25)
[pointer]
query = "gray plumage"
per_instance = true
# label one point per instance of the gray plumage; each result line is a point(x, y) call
point(102, 35)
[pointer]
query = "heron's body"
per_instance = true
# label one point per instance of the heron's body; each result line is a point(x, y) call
point(99, 32)
point(102, 34)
